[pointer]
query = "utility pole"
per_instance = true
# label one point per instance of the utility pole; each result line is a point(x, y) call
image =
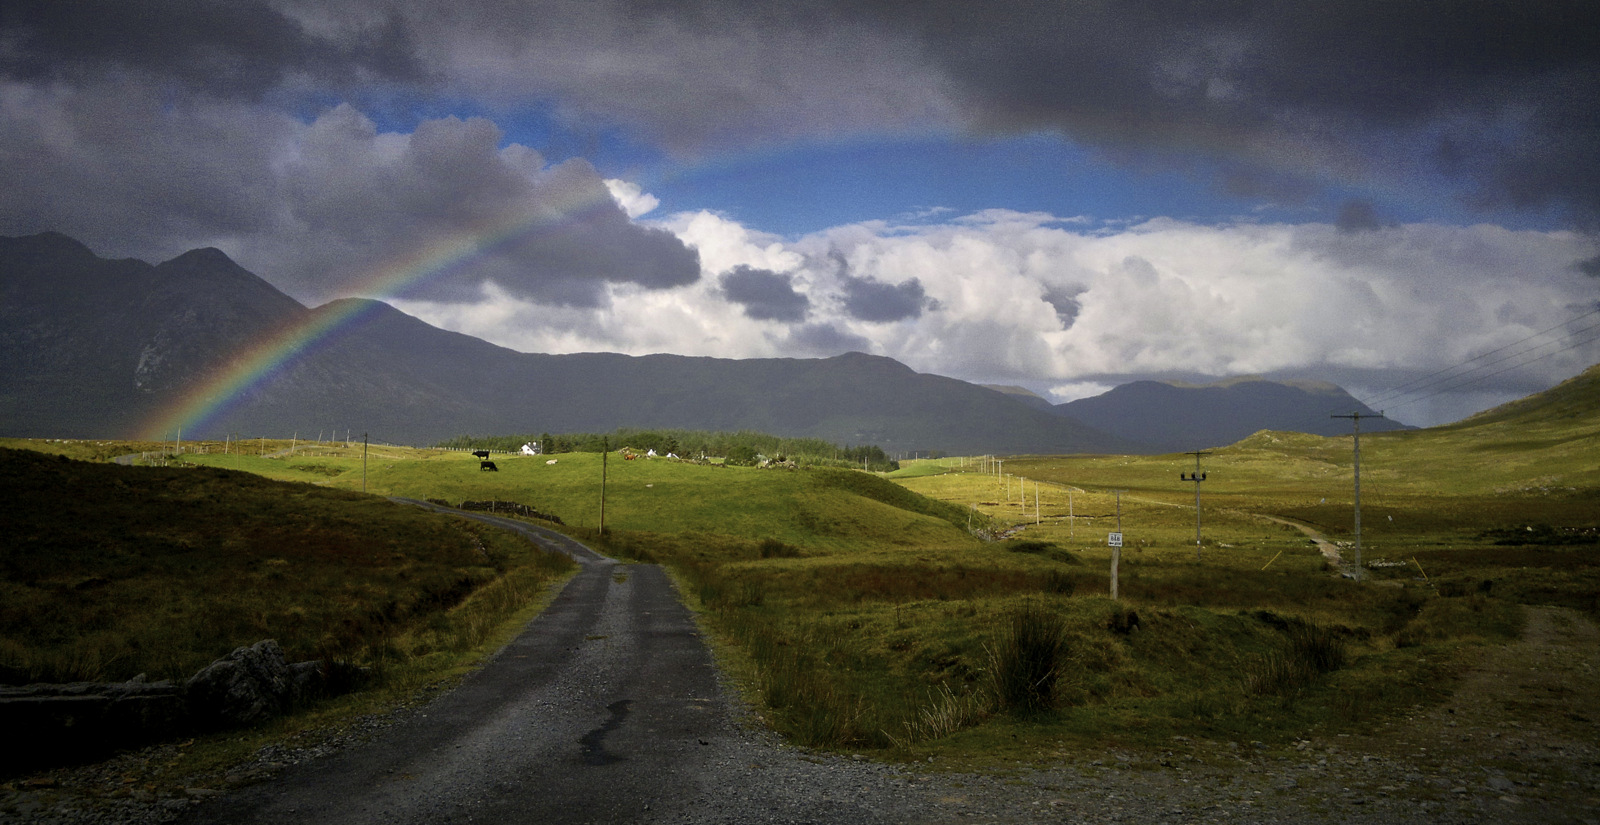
point(363, 462)
point(605, 453)
point(1196, 477)
point(1355, 419)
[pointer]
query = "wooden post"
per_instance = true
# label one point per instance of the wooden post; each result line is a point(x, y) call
point(1116, 550)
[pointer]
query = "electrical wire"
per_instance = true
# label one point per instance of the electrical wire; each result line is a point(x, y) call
point(1470, 382)
point(1435, 378)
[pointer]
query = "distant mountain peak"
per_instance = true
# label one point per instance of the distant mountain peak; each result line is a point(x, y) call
point(53, 244)
point(205, 256)
point(863, 359)
point(1012, 389)
point(1319, 387)
point(1171, 416)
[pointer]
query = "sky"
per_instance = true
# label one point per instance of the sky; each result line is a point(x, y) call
point(1399, 196)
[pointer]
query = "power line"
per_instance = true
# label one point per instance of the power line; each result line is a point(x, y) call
point(1571, 346)
point(1433, 379)
point(1467, 382)
point(1566, 323)
point(1486, 365)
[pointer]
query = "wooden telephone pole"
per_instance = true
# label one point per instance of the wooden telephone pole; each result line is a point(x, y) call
point(1355, 419)
point(1196, 477)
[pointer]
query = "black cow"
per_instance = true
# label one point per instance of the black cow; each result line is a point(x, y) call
point(483, 454)
point(488, 465)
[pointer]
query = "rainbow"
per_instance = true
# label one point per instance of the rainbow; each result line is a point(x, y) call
point(258, 363)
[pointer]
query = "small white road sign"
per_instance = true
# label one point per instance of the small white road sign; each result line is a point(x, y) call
point(1115, 540)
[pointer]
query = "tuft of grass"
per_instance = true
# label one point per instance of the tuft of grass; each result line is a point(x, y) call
point(1308, 652)
point(945, 713)
point(1025, 662)
point(1059, 583)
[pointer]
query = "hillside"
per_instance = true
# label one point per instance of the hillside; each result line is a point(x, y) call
point(98, 348)
point(112, 571)
point(1574, 401)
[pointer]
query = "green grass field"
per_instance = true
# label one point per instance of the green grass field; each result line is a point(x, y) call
point(866, 612)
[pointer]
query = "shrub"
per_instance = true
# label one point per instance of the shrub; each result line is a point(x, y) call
point(1123, 620)
point(1025, 663)
point(740, 455)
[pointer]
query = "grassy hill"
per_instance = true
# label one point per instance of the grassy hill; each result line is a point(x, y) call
point(113, 571)
point(860, 613)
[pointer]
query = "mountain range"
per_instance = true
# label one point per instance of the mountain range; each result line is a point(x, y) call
point(99, 348)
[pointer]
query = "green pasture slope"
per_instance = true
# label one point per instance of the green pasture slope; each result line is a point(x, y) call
point(865, 612)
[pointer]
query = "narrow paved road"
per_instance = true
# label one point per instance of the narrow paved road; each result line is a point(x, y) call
point(607, 708)
point(603, 703)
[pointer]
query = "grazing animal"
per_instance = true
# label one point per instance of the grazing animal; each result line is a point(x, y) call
point(551, 461)
point(488, 465)
point(483, 454)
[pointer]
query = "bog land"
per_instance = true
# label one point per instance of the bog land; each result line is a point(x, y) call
point(958, 608)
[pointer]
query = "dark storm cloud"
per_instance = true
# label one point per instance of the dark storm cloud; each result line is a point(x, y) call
point(1276, 96)
point(175, 124)
point(765, 295)
point(867, 299)
point(321, 209)
point(1512, 84)
point(559, 235)
point(129, 171)
point(824, 340)
point(1357, 216)
point(230, 48)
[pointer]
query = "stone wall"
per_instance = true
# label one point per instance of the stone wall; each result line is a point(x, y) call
point(49, 725)
point(511, 507)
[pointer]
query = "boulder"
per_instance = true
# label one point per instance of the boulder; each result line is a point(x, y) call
point(246, 686)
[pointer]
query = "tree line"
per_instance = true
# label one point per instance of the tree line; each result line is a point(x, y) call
point(740, 448)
